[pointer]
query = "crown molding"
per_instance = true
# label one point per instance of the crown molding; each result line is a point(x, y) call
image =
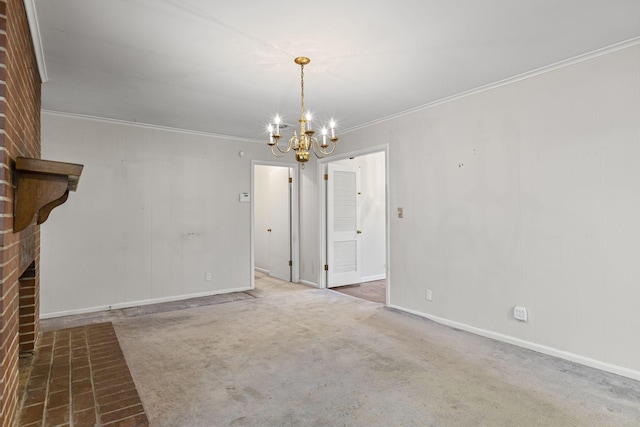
point(146, 125)
point(32, 17)
point(529, 74)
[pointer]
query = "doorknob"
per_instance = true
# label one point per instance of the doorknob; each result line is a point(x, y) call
point(359, 231)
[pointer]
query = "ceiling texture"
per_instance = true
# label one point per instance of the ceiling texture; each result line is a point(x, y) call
point(226, 68)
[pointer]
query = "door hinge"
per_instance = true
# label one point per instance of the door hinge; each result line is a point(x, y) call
point(290, 263)
point(326, 177)
point(290, 180)
point(326, 267)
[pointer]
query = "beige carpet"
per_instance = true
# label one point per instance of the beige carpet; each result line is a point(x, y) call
point(297, 356)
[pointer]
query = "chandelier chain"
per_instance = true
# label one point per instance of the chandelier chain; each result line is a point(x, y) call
point(301, 92)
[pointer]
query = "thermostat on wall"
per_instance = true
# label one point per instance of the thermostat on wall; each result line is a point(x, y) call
point(244, 197)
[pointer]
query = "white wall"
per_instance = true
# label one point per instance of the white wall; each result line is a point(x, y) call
point(261, 216)
point(310, 261)
point(373, 213)
point(155, 210)
point(525, 194)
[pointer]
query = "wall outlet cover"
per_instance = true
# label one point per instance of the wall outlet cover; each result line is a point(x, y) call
point(520, 313)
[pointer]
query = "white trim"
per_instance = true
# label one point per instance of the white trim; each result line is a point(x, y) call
point(34, 27)
point(139, 303)
point(321, 194)
point(387, 237)
point(146, 125)
point(308, 283)
point(295, 222)
point(262, 270)
point(546, 69)
point(593, 363)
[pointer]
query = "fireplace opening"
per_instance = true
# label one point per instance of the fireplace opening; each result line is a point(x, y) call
point(28, 311)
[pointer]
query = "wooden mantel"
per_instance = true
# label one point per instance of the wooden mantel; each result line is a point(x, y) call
point(42, 186)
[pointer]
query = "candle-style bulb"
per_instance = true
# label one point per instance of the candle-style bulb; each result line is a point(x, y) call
point(270, 130)
point(308, 117)
point(324, 136)
point(332, 125)
point(277, 122)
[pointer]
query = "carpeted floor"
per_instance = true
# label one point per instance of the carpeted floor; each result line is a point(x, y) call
point(299, 356)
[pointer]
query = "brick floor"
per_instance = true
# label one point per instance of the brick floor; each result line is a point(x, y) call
point(79, 377)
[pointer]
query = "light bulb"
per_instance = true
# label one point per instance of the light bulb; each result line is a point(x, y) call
point(308, 123)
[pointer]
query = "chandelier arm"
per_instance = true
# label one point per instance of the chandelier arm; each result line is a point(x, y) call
point(284, 153)
point(323, 152)
point(287, 147)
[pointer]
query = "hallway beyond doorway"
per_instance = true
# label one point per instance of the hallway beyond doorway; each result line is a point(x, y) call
point(374, 291)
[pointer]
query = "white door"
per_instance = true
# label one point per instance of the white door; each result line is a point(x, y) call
point(343, 220)
point(280, 224)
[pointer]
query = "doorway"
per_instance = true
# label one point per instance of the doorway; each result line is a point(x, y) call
point(355, 224)
point(274, 220)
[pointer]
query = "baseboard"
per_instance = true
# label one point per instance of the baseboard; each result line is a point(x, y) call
point(305, 282)
point(593, 363)
point(139, 303)
point(373, 278)
point(262, 270)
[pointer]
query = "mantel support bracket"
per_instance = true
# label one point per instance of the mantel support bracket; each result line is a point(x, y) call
point(42, 186)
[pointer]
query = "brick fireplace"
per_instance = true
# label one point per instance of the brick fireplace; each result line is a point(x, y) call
point(19, 252)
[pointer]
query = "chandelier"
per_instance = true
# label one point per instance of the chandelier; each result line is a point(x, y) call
point(306, 142)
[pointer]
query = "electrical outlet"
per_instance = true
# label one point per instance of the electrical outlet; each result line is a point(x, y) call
point(429, 295)
point(520, 313)
point(207, 277)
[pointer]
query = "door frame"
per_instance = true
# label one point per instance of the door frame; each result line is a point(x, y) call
point(295, 217)
point(322, 203)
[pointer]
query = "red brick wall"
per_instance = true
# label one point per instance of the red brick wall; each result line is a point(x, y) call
point(19, 252)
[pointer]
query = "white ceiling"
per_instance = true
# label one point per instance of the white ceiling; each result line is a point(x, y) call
point(227, 67)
